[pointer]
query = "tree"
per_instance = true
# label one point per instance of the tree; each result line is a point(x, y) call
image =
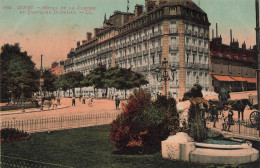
point(49, 80)
point(121, 78)
point(18, 73)
point(97, 78)
point(74, 79)
point(61, 83)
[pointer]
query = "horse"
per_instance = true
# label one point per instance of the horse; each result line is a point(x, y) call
point(239, 105)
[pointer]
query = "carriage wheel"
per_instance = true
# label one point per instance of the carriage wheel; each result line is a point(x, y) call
point(254, 118)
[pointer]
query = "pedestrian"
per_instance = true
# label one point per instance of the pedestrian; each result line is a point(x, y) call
point(230, 117)
point(84, 100)
point(54, 103)
point(223, 96)
point(214, 114)
point(90, 100)
point(80, 98)
point(73, 101)
point(117, 102)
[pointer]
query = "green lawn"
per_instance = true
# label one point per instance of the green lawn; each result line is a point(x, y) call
point(87, 147)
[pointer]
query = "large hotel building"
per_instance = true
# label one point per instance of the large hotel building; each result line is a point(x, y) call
point(175, 30)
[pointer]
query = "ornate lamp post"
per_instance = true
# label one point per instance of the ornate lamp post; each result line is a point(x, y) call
point(22, 86)
point(41, 84)
point(164, 76)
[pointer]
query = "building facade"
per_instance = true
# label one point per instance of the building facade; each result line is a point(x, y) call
point(171, 30)
point(232, 67)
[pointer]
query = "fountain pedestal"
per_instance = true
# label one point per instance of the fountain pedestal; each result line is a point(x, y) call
point(178, 147)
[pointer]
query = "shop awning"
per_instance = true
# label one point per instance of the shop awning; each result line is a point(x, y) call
point(251, 80)
point(223, 78)
point(238, 78)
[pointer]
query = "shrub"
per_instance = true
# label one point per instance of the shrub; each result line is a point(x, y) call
point(144, 124)
point(9, 135)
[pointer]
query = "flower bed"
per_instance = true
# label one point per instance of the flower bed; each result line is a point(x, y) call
point(10, 135)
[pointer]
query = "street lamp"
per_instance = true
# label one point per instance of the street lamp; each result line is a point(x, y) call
point(41, 84)
point(164, 76)
point(22, 86)
point(197, 79)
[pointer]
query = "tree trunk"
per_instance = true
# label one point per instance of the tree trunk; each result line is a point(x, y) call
point(73, 92)
point(125, 93)
point(69, 92)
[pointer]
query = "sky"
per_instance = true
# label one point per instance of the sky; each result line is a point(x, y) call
point(53, 35)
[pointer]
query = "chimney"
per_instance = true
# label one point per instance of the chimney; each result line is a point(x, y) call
point(212, 33)
point(149, 4)
point(230, 36)
point(138, 10)
point(89, 36)
point(244, 46)
point(216, 30)
point(96, 30)
point(78, 43)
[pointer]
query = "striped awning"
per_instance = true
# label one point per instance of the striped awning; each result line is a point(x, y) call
point(251, 80)
point(223, 78)
point(238, 78)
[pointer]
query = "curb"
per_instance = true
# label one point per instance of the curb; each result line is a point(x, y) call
point(33, 111)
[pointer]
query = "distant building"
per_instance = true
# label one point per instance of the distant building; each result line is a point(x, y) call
point(177, 31)
point(232, 67)
point(57, 68)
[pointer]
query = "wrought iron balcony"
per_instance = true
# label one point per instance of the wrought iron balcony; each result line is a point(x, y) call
point(145, 52)
point(145, 37)
point(194, 48)
point(187, 31)
point(194, 33)
point(159, 49)
point(188, 47)
point(200, 49)
point(173, 31)
point(173, 48)
point(152, 50)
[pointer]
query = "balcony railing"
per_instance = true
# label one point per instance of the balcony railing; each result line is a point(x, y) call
point(152, 50)
point(206, 50)
point(187, 31)
point(200, 49)
point(139, 40)
point(145, 52)
point(201, 35)
point(173, 48)
point(173, 30)
point(145, 37)
point(134, 41)
point(194, 33)
point(139, 54)
point(159, 49)
point(194, 48)
point(188, 47)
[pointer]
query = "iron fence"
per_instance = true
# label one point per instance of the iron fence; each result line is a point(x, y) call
point(244, 128)
point(60, 122)
point(12, 162)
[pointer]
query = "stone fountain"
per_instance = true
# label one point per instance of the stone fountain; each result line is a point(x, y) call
point(190, 147)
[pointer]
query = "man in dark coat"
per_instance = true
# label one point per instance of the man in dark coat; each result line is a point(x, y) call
point(117, 102)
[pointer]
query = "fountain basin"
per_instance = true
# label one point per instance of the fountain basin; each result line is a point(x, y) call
point(224, 154)
point(181, 147)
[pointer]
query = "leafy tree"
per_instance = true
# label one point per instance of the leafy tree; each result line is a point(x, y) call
point(49, 80)
point(123, 79)
point(18, 73)
point(96, 77)
point(61, 83)
point(74, 79)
